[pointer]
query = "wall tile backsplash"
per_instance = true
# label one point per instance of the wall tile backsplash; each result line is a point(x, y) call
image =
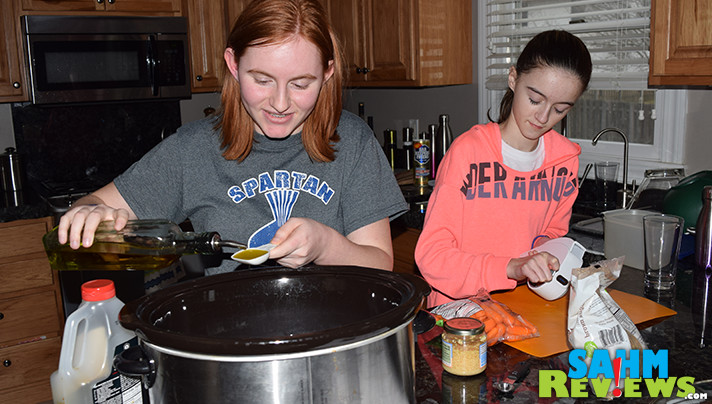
point(88, 144)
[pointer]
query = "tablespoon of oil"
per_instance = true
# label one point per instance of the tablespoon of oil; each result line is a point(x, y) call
point(253, 256)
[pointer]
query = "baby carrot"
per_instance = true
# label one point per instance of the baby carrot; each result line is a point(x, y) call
point(507, 318)
point(500, 330)
point(491, 312)
point(489, 324)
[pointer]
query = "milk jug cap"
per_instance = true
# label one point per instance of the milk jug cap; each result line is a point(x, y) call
point(97, 290)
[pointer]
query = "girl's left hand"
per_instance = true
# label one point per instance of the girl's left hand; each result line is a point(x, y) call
point(300, 241)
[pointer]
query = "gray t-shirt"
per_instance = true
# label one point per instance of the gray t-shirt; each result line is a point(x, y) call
point(186, 177)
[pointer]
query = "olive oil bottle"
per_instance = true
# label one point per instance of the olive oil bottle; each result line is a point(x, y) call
point(141, 245)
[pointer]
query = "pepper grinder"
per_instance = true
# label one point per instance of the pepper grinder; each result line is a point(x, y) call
point(702, 273)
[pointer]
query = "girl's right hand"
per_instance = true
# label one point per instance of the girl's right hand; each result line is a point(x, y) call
point(536, 267)
point(79, 224)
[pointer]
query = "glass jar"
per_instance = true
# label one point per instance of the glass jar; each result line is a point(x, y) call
point(656, 183)
point(464, 346)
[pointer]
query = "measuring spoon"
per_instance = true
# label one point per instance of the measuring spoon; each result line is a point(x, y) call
point(253, 256)
point(517, 375)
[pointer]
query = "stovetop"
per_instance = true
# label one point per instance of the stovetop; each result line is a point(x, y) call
point(64, 189)
point(60, 195)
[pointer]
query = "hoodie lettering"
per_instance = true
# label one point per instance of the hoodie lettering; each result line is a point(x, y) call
point(487, 180)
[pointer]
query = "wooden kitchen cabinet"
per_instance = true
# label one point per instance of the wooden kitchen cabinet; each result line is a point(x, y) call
point(680, 43)
point(11, 77)
point(404, 43)
point(209, 24)
point(142, 7)
point(207, 32)
point(234, 9)
point(31, 313)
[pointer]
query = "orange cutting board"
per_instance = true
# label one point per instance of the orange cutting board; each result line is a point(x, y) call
point(550, 317)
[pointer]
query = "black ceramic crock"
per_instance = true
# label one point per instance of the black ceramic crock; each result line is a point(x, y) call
point(276, 310)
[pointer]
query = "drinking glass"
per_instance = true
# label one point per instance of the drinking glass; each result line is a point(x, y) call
point(606, 173)
point(662, 235)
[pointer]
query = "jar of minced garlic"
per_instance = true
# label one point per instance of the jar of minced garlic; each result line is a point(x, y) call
point(464, 346)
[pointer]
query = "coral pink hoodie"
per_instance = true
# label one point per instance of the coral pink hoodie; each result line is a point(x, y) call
point(483, 213)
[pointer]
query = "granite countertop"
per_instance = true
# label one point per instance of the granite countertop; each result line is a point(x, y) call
point(680, 334)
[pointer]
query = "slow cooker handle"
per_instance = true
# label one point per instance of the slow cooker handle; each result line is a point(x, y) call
point(136, 362)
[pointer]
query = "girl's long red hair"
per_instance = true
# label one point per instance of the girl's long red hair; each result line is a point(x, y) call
point(266, 22)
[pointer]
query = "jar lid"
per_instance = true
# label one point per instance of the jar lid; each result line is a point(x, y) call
point(464, 326)
point(97, 290)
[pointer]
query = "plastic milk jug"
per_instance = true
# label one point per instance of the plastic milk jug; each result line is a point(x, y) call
point(92, 337)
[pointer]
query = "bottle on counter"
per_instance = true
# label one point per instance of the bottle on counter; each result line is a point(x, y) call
point(141, 245)
point(432, 134)
point(408, 148)
point(390, 149)
point(92, 337)
point(362, 111)
point(441, 142)
point(702, 273)
point(421, 161)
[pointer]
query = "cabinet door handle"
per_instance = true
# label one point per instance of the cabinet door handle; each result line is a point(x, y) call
point(16, 84)
point(112, 1)
point(199, 78)
point(2, 316)
point(7, 363)
point(99, 1)
point(362, 70)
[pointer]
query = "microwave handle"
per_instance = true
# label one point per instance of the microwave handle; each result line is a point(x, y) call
point(152, 67)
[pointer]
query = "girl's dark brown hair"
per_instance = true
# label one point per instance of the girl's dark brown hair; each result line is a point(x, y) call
point(267, 22)
point(555, 48)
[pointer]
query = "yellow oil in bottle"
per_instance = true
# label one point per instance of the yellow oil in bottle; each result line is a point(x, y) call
point(141, 245)
point(109, 257)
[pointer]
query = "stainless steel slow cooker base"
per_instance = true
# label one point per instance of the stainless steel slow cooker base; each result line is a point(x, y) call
point(380, 371)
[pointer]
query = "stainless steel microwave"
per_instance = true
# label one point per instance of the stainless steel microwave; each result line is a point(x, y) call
point(76, 59)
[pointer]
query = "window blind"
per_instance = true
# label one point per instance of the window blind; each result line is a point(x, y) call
point(616, 32)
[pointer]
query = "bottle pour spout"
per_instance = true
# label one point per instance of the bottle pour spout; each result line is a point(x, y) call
point(217, 244)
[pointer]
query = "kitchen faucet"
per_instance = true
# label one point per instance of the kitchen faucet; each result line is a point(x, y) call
point(625, 159)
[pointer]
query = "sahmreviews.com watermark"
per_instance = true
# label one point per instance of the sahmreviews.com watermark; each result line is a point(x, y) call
point(603, 375)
